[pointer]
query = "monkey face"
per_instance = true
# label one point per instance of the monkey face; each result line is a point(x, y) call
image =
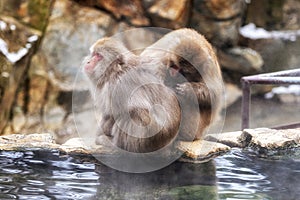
point(92, 62)
point(102, 56)
point(174, 70)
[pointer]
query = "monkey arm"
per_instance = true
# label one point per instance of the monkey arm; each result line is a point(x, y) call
point(191, 90)
point(106, 125)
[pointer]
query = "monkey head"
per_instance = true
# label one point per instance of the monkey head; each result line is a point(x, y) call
point(106, 55)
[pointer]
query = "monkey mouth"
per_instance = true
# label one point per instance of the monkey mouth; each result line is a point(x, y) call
point(174, 70)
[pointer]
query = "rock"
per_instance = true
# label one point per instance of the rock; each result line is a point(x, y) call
point(233, 139)
point(132, 11)
point(17, 142)
point(198, 151)
point(271, 139)
point(32, 13)
point(170, 14)
point(218, 20)
point(65, 39)
point(232, 94)
point(280, 14)
point(220, 9)
point(137, 39)
point(201, 150)
point(17, 45)
point(291, 15)
point(52, 88)
point(16, 39)
point(75, 146)
point(242, 60)
point(279, 49)
point(265, 13)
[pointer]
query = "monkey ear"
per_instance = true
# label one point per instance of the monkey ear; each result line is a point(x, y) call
point(120, 59)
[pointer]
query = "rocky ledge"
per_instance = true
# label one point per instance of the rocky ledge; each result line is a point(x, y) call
point(213, 145)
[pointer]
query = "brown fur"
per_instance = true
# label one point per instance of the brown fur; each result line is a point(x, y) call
point(126, 93)
point(201, 77)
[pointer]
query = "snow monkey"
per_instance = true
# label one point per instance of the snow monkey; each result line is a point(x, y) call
point(191, 69)
point(139, 113)
point(173, 87)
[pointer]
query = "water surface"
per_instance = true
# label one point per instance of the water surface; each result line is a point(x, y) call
point(235, 175)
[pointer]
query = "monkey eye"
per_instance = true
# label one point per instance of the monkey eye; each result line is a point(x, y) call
point(97, 55)
point(175, 67)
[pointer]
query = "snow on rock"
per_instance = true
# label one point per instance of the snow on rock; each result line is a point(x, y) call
point(7, 40)
point(3, 25)
point(289, 94)
point(253, 32)
point(12, 56)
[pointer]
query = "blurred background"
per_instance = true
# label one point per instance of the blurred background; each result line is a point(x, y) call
point(42, 44)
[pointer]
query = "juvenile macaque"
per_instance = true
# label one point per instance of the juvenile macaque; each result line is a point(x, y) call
point(191, 69)
point(139, 113)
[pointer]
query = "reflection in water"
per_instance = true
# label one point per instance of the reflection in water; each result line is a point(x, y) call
point(236, 175)
point(177, 181)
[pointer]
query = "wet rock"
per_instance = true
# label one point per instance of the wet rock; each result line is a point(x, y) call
point(233, 139)
point(201, 150)
point(16, 142)
point(198, 151)
point(242, 60)
point(271, 139)
point(218, 20)
point(170, 14)
point(75, 146)
point(131, 11)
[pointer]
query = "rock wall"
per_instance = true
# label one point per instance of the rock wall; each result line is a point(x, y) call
point(43, 42)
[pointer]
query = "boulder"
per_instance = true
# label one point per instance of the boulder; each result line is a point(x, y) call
point(196, 152)
point(32, 13)
point(242, 60)
point(132, 11)
point(279, 49)
point(233, 139)
point(201, 150)
point(170, 14)
point(280, 14)
point(218, 20)
point(271, 139)
point(56, 80)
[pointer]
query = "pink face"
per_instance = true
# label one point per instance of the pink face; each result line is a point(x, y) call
point(91, 64)
point(174, 70)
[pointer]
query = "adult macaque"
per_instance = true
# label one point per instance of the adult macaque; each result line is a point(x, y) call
point(139, 113)
point(191, 68)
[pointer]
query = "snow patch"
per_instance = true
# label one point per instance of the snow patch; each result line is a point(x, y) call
point(33, 38)
point(3, 25)
point(291, 89)
point(253, 32)
point(5, 74)
point(13, 27)
point(12, 56)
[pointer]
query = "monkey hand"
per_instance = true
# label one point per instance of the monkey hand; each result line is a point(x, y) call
point(183, 89)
